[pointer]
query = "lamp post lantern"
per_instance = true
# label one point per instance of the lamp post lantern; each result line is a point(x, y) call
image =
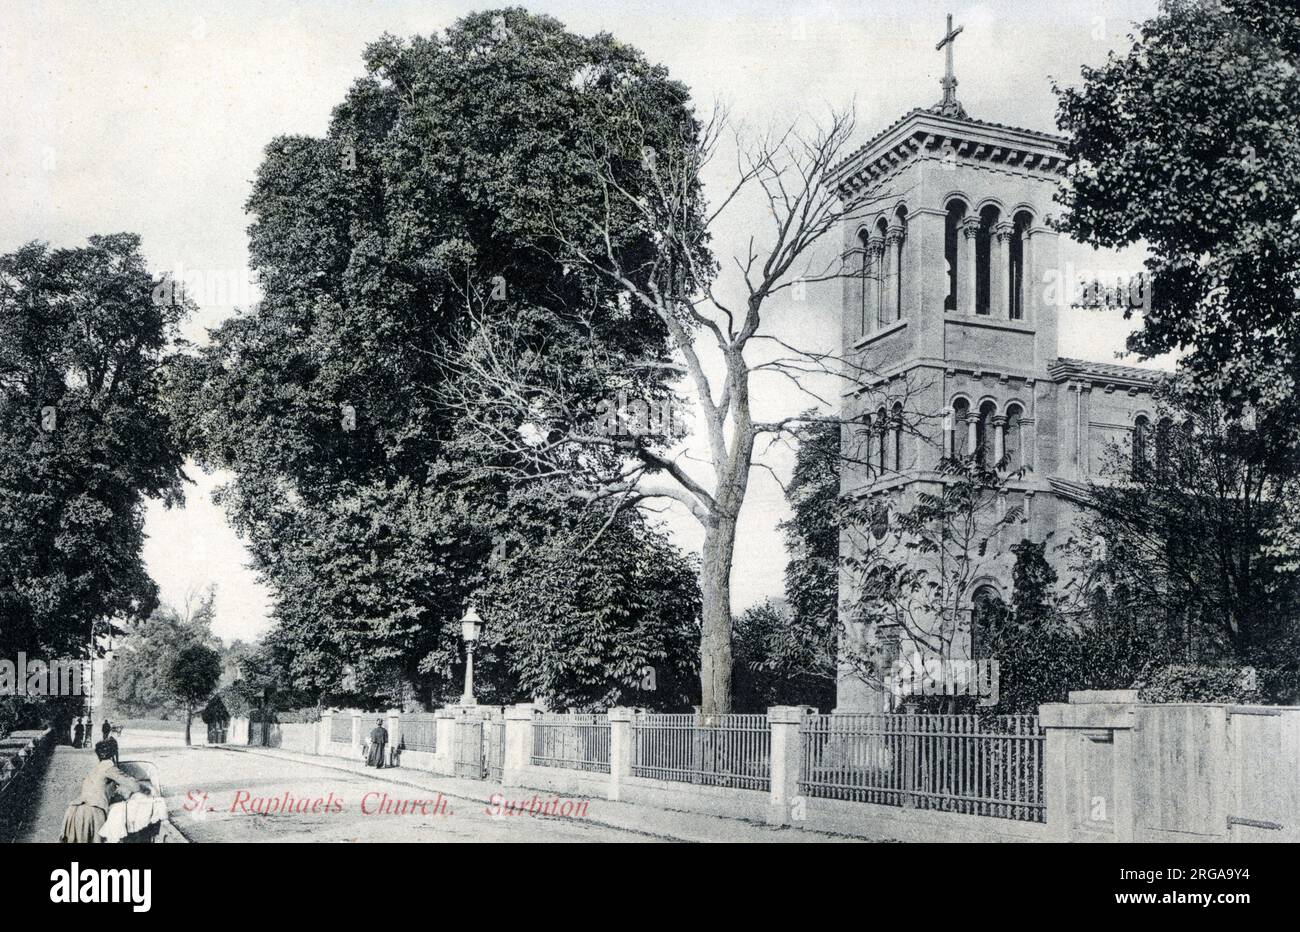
point(471, 626)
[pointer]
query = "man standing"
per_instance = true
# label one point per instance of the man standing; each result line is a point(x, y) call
point(378, 744)
point(110, 741)
point(78, 733)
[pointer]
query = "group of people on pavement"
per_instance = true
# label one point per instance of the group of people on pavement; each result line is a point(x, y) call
point(83, 731)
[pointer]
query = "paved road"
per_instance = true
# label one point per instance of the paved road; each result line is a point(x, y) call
point(252, 798)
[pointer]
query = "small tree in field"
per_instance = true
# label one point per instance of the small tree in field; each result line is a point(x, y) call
point(194, 676)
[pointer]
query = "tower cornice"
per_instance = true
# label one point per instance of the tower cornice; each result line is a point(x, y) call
point(923, 133)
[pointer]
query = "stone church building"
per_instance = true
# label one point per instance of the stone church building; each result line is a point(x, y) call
point(954, 300)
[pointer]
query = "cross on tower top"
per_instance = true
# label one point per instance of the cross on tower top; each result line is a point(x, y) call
point(949, 105)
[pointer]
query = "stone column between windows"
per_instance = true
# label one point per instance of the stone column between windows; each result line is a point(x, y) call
point(972, 432)
point(970, 230)
point(1028, 286)
point(1000, 271)
point(999, 437)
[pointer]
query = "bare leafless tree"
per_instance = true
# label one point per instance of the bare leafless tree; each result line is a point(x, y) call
point(524, 407)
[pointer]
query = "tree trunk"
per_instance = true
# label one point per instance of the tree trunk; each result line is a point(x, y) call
point(715, 635)
point(189, 718)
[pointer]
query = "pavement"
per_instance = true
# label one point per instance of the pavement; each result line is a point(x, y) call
point(648, 822)
point(65, 770)
point(230, 794)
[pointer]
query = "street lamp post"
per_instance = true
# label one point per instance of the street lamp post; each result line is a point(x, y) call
point(471, 626)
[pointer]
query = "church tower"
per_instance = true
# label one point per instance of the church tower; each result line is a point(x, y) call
point(949, 301)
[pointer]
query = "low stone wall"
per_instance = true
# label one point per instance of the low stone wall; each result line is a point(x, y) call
point(334, 749)
point(146, 737)
point(22, 764)
point(563, 782)
point(420, 760)
point(900, 824)
point(295, 736)
point(710, 800)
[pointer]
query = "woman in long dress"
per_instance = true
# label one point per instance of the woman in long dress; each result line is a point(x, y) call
point(85, 817)
point(378, 743)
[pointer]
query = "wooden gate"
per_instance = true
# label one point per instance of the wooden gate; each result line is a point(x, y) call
point(1264, 748)
point(495, 739)
point(469, 748)
point(1224, 772)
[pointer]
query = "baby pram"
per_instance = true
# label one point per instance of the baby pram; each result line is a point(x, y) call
point(145, 822)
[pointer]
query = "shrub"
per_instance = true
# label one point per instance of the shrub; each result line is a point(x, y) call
point(1201, 683)
point(299, 717)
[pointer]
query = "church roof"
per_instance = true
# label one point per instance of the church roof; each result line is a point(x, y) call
point(1065, 368)
point(986, 124)
point(928, 128)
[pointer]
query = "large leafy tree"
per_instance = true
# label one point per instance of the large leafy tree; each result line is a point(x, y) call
point(138, 674)
point(612, 458)
point(1046, 647)
point(812, 539)
point(83, 349)
point(441, 175)
point(1189, 535)
point(1189, 143)
point(589, 627)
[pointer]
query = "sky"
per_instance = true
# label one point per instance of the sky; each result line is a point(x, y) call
point(152, 117)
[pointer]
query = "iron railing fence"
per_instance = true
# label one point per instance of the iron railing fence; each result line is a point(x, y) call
point(722, 750)
point(979, 765)
point(419, 732)
point(571, 741)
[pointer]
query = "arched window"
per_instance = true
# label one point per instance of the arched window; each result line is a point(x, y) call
point(900, 235)
point(884, 275)
point(957, 442)
point(1013, 448)
point(983, 252)
point(952, 252)
point(984, 434)
point(987, 616)
point(864, 279)
point(1017, 270)
point(1141, 438)
point(882, 437)
point(862, 451)
point(880, 521)
point(896, 427)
